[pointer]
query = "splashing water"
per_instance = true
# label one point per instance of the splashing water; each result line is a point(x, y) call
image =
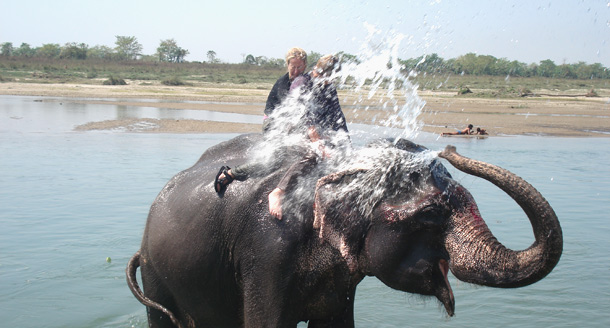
point(380, 94)
point(386, 172)
point(378, 91)
point(377, 84)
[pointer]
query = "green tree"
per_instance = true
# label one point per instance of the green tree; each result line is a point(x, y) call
point(467, 63)
point(127, 47)
point(502, 66)
point(566, 71)
point(169, 51)
point(25, 51)
point(6, 49)
point(100, 52)
point(49, 50)
point(180, 54)
point(149, 58)
point(347, 58)
point(250, 60)
point(74, 51)
point(489, 65)
point(410, 64)
point(264, 61)
point(519, 69)
point(532, 69)
point(598, 71)
point(484, 65)
point(547, 68)
point(581, 70)
point(312, 59)
point(432, 63)
point(450, 66)
point(277, 62)
point(212, 57)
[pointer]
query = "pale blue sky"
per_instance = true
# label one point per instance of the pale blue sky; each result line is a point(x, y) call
point(525, 30)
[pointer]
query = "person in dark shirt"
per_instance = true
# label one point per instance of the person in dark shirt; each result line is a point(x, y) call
point(296, 62)
point(324, 111)
point(323, 124)
point(324, 121)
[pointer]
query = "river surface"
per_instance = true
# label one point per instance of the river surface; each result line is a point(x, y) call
point(73, 207)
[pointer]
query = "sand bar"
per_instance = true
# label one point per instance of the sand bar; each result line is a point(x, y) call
point(443, 112)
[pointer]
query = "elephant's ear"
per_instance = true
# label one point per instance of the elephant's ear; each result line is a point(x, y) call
point(335, 216)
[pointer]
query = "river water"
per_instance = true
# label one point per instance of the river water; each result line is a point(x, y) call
point(73, 207)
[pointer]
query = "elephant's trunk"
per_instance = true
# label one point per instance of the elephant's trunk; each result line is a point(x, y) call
point(476, 255)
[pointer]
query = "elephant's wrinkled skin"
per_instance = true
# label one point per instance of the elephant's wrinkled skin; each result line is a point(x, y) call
point(224, 261)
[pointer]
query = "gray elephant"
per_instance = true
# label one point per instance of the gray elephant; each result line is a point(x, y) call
point(210, 260)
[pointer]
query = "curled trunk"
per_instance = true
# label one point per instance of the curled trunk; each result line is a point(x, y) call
point(476, 255)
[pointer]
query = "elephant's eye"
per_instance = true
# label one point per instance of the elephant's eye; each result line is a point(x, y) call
point(432, 215)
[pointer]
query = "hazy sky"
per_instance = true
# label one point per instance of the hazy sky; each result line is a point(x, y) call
point(525, 30)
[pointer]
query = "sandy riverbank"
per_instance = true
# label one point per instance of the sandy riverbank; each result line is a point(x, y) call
point(443, 112)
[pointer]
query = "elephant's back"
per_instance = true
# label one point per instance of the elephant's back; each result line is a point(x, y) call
point(188, 208)
point(190, 193)
point(234, 150)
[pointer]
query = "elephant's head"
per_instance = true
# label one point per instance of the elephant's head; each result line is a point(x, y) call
point(407, 222)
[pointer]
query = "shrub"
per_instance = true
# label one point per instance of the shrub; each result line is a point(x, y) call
point(591, 93)
point(464, 90)
point(114, 81)
point(525, 92)
point(174, 80)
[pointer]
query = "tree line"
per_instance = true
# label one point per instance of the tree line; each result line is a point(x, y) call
point(128, 48)
point(473, 64)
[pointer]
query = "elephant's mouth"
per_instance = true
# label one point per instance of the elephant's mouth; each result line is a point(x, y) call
point(445, 294)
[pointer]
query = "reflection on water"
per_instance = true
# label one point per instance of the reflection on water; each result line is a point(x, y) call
point(70, 200)
point(36, 114)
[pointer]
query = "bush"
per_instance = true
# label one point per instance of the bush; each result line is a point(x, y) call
point(115, 81)
point(525, 92)
point(591, 93)
point(174, 80)
point(464, 90)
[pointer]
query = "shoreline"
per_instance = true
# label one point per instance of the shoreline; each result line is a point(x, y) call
point(443, 112)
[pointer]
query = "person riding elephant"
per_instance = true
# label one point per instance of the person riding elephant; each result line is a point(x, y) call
point(325, 122)
point(315, 110)
point(296, 63)
point(392, 212)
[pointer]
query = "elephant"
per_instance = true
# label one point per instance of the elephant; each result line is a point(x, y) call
point(221, 260)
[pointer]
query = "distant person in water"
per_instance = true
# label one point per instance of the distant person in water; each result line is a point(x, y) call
point(481, 131)
point(459, 132)
point(296, 62)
